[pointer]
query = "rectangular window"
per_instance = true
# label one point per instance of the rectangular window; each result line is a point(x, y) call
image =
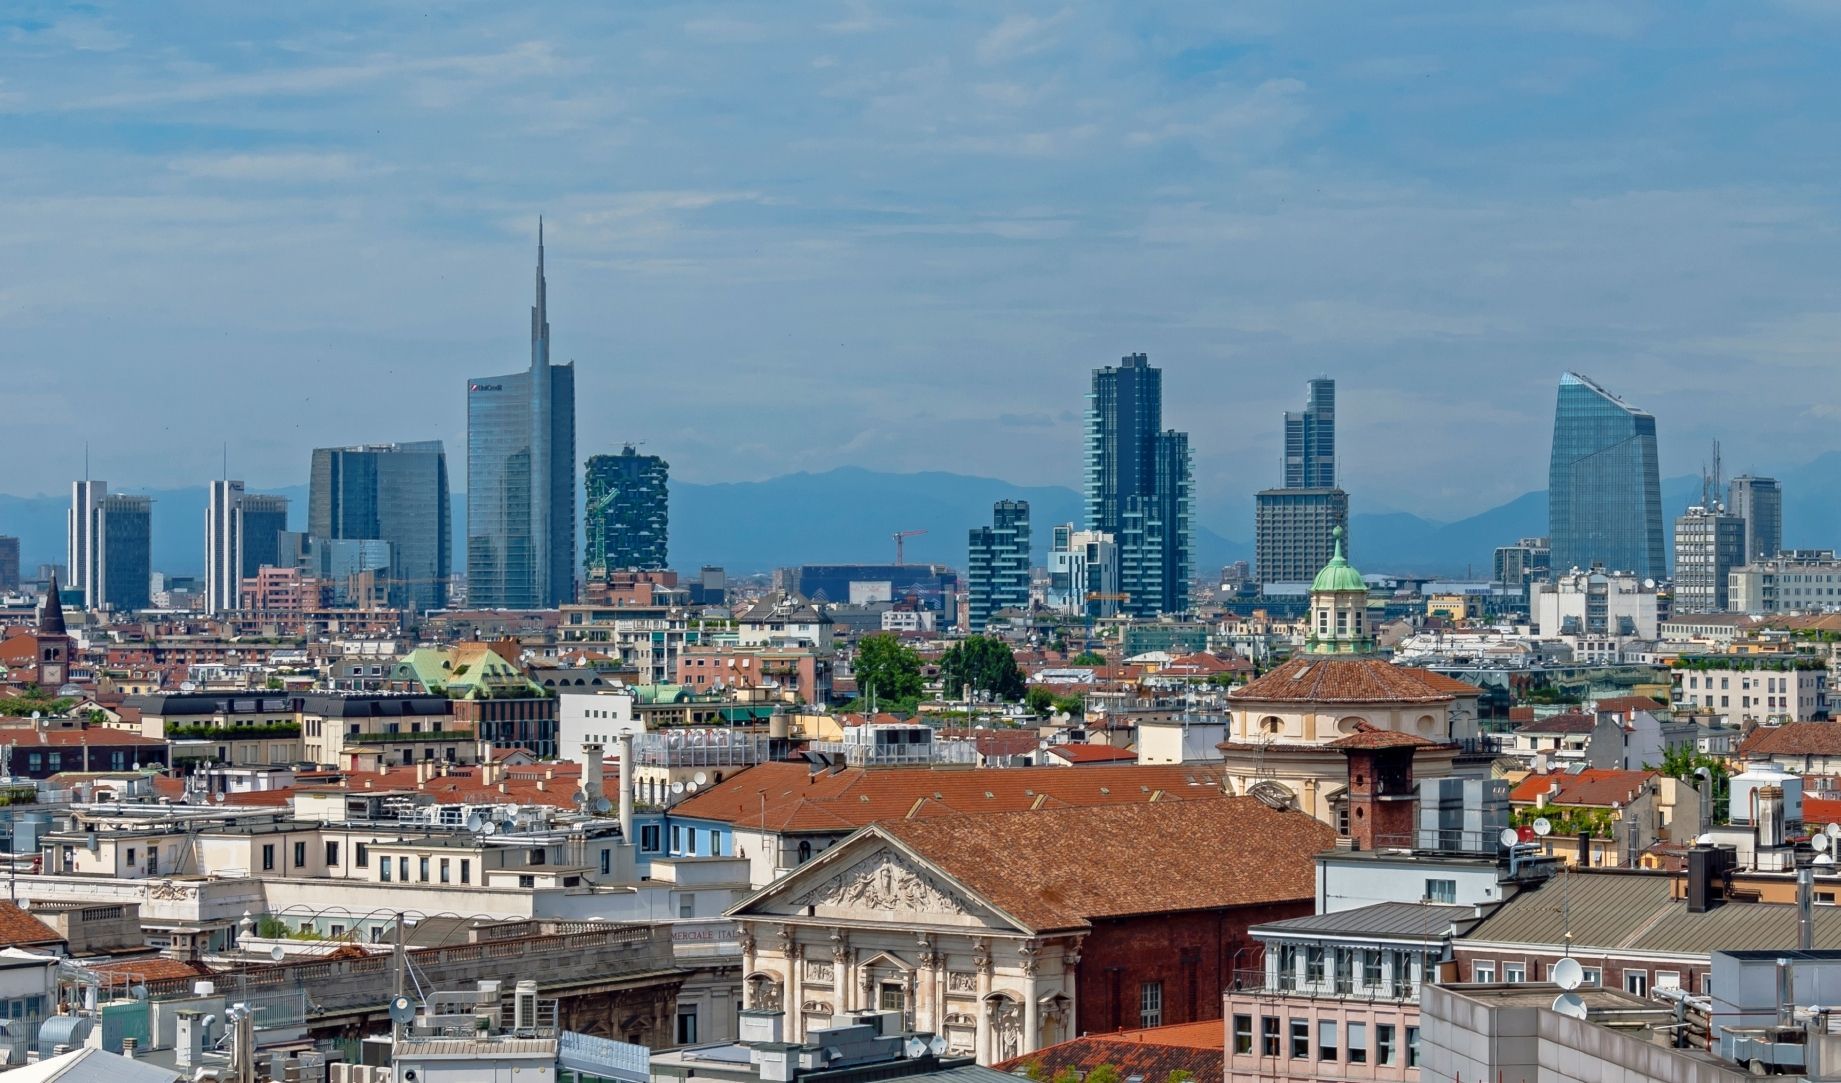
point(687, 1026)
point(1313, 964)
point(1268, 1035)
point(383, 870)
point(1668, 979)
point(466, 870)
point(1326, 1039)
point(402, 869)
point(1593, 976)
point(130, 855)
point(648, 838)
point(1150, 1004)
point(1358, 1043)
point(300, 855)
point(1636, 982)
point(1441, 891)
point(1243, 1034)
point(677, 839)
point(527, 881)
point(1300, 1039)
point(268, 857)
point(1384, 1043)
point(1482, 973)
point(361, 853)
point(332, 856)
point(1412, 1047)
point(444, 870)
point(1514, 973)
point(1371, 968)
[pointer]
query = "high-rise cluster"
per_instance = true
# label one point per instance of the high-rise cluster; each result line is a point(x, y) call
point(382, 504)
point(997, 565)
point(1295, 526)
point(242, 536)
point(1140, 486)
point(521, 477)
point(110, 546)
point(1604, 494)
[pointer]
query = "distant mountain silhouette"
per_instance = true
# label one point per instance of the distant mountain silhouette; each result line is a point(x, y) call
point(848, 514)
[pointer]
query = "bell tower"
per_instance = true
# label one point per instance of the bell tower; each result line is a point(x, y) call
point(53, 641)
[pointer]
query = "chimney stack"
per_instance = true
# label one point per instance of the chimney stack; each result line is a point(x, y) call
point(626, 786)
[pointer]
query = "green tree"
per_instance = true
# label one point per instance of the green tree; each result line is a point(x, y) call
point(986, 664)
point(1070, 705)
point(1087, 658)
point(1036, 1072)
point(1179, 1075)
point(1105, 1073)
point(1684, 762)
point(1066, 1075)
point(1040, 700)
point(888, 669)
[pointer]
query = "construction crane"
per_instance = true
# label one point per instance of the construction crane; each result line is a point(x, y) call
point(900, 537)
point(597, 527)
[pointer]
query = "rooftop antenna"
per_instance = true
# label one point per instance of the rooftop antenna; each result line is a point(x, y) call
point(1710, 481)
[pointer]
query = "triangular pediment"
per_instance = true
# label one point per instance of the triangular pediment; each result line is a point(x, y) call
point(870, 879)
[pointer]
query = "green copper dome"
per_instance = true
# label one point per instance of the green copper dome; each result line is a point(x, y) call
point(1337, 575)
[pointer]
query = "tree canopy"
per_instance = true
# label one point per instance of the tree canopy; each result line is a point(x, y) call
point(986, 664)
point(888, 669)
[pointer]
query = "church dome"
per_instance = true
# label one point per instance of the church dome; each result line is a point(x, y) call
point(1338, 576)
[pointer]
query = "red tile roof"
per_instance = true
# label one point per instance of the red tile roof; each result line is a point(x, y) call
point(1624, 704)
point(102, 736)
point(20, 929)
point(1570, 722)
point(1092, 753)
point(1313, 679)
point(1794, 739)
point(1063, 868)
point(1153, 1054)
point(1593, 787)
point(1374, 738)
point(798, 799)
point(151, 969)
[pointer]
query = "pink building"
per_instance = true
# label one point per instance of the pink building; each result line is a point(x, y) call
point(794, 675)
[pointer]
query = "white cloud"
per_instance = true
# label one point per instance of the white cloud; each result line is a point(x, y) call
point(298, 167)
point(1019, 36)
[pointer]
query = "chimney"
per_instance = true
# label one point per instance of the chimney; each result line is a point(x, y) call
point(1701, 860)
point(626, 787)
point(189, 1039)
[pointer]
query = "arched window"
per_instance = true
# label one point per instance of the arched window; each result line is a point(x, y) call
point(805, 851)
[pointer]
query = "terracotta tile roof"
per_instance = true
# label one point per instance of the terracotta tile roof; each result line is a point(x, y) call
point(798, 799)
point(1794, 739)
point(1625, 704)
point(1593, 787)
point(20, 929)
point(1153, 1054)
point(1374, 738)
point(1570, 722)
point(1063, 868)
point(1820, 811)
point(1092, 753)
point(151, 969)
point(1311, 679)
point(100, 736)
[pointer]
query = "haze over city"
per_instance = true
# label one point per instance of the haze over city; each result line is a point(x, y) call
point(787, 239)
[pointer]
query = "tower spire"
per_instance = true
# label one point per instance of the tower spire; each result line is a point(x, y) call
point(540, 314)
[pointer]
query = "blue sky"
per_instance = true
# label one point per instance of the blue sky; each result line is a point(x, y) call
point(790, 236)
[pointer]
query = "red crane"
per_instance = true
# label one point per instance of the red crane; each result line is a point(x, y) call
point(901, 536)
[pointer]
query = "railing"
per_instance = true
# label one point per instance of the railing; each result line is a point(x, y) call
point(873, 755)
point(1258, 982)
point(409, 738)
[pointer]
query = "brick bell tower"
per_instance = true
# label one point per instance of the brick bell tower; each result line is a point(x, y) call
point(53, 642)
point(1383, 806)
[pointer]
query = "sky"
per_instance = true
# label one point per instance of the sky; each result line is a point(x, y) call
point(789, 237)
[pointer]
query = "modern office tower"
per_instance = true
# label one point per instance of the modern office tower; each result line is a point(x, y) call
point(1604, 495)
point(997, 564)
point(9, 562)
point(391, 493)
point(120, 575)
point(1083, 572)
point(1709, 546)
point(521, 477)
point(1294, 526)
point(1140, 486)
point(1310, 440)
point(80, 525)
point(1515, 566)
point(1758, 501)
point(628, 511)
point(242, 533)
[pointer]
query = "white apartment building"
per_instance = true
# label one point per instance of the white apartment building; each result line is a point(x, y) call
point(1799, 582)
point(1082, 564)
point(1753, 694)
point(1596, 603)
point(597, 717)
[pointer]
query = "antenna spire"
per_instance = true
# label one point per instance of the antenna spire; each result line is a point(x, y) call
point(540, 312)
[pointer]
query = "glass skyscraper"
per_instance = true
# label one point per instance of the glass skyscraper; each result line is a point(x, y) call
point(521, 478)
point(1758, 501)
point(628, 511)
point(121, 565)
point(395, 493)
point(1294, 526)
point(997, 564)
point(1604, 493)
point(1140, 486)
point(1310, 440)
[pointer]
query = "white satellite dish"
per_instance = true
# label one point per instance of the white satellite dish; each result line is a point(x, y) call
point(275, 953)
point(1508, 836)
point(700, 778)
point(138, 992)
point(692, 787)
point(602, 804)
point(512, 810)
point(475, 822)
point(490, 828)
point(1703, 840)
point(677, 787)
point(218, 797)
point(1821, 843)
point(1833, 831)
point(915, 1047)
point(1568, 974)
point(1569, 1004)
point(402, 1010)
point(1543, 826)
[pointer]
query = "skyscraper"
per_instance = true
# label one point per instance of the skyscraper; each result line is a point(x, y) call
point(120, 575)
point(1310, 440)
point(9, 562)
point(1758, 501)
point(1140, 485)
point(242, 533)
point(1709, 544)
point(80, 526)
point(628, 511)
point(997, 564)
point(1295, 526)
point(521, 477)
point(1604, 496)
point(395, 493)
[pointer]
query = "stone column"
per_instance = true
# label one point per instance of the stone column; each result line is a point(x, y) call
point(792, 993)
point(929, 1007)
point(1032, 1012)
point(981, 959)
point(1070, 981)
point(843, 975)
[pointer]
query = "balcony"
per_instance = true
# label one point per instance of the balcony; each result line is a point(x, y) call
point(432, 737)
point(1258, 982)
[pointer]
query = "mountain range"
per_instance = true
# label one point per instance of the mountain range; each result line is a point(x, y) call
point(848, 515)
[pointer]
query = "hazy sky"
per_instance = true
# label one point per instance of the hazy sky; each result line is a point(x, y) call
point(790, 236)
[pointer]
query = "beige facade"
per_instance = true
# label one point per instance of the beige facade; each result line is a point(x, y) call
point(870, 926)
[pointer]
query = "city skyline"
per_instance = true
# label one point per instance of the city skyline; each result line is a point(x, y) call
point(1233, 157)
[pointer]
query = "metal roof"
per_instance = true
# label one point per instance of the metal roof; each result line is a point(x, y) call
point(1384, 921)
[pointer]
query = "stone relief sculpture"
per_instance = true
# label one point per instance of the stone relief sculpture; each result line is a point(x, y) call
point(884, 881)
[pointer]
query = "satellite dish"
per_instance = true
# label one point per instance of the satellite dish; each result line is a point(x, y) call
point(1568, 975)
point(915, 1047)
point(1833, 831)
point(692, 787)
point(700, 778)
point(137, 992)
point(218, 797)
point(490, 827)
point(1821, 843)
point(475, 822)
point(402, 1010)
point(277, 954)
point(602, 804)
point(1508, 836)
point(677, 787)
point(512, 810)
point(1569, 1005)
point(1543, 826)
point(1703, 840)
